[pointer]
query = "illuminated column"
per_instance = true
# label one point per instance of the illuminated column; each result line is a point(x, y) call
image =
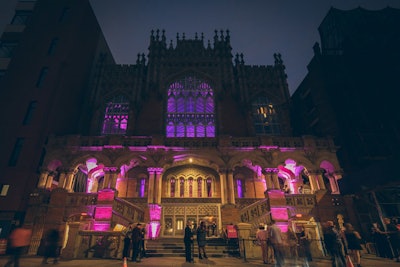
point(316, 177)
point(62, 181)
point(222, 179)
point(158, 185)
point(110, 177)
point(150, 191)
point(313, 181)
point(333, 182)
point(275, 179)
point(268, 178)
point(70, 180)
point(231, 188)
point(321, 180)
point(49, 180)
point(43, 179)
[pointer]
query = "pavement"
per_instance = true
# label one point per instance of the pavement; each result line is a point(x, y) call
point(366, 261)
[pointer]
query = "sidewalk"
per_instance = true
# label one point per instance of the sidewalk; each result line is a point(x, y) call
point(367, 261)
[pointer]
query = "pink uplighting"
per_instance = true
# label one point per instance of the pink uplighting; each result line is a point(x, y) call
point(101, 226)
point(279, 214)
point(103, 213)
point(105, 195)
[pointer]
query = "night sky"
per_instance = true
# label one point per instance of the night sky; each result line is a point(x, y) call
point(258, 28)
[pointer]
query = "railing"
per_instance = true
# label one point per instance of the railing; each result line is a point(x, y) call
point(128, 211)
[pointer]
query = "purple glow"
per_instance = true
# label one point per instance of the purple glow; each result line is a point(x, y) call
point(154, 230)
point(142, 187)
point(101, 226)
point(116, 116)
point(155, 212)
point(103, 212)
point(239, 188)
point(279, 214)
point(105, 195)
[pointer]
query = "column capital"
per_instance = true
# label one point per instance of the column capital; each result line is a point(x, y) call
point(271, 170)
point(156, 170)
point(110, 169)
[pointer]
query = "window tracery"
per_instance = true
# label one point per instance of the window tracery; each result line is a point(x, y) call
point(265, 117)
point(190, 109)
point(116, 116)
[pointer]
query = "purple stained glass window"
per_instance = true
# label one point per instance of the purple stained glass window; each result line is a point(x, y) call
point(190, 109)
point(172, 192)
point(239, 188)
point(116, 116)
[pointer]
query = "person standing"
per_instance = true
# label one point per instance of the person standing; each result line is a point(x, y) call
point(393, 234)
point(262, 239)
point(353, 240)
point(136, 242)
point(188, 240)
point(275, 237)
point(19, 239)
point(333, 244)
point(127, 246)
point(305, 244)
point(51, 247)
point(202, 240)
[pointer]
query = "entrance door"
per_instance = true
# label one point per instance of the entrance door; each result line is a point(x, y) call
point(180, 225)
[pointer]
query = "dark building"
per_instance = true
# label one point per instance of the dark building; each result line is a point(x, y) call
point(351, 93)
point(49, 54)
point(188, 132)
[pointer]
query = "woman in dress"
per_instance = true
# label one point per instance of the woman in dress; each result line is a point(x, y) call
point(353, 239)
point(202, 239)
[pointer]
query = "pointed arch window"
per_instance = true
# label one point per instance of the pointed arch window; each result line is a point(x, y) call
point(265, 117)
point(116, 116)
point(172, 187)
point(190, 109)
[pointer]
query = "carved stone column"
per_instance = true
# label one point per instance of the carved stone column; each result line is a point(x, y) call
point(62, 181)
point(313, 181)
point(231, 188)
point(150, 191)
point(70, 179)
point(43, 179)
point(275, 179)
point(110, 177)
point(268, 178)
point(158, 185)
point(49, 180)
point(222, 179)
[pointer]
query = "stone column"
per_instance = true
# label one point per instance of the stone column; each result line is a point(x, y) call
point(158, 185)
point(334, 184)
point(49, 180)
point(62, 181)
point(43, 179)
point(70, 179)
point(320, 180)
point(150, 191)
point(313, 181)
point(268, 178)
point(222, 179)
point(110, 177)
point(231, 188)
point(275, 179)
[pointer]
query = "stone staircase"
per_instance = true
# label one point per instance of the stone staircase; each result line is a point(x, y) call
point(174, 247)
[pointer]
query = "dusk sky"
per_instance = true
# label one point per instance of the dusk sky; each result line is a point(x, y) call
point(258, 28)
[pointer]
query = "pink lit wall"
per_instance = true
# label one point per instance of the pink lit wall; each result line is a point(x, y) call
point(279, 214)
point(103, 213)
point(105, 195)
point(101, 226)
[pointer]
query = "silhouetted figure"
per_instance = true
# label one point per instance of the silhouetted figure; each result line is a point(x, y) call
point(333, 244)
point(127, 246)
point(19, 239)
point(275, 237)
point(51, 246)
point(136, 242)
point(202, 240)
point(188, 240)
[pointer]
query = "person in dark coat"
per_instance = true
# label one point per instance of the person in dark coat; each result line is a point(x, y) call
point(393, 234)
point(51, 247)
point(202, 239)
point(333, 244)
point(127, 246)
point(136, 242)
point(188, 240)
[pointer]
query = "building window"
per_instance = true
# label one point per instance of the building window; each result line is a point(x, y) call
point(4, 189)
point(52, 46)
point(42, 76)
point(190, 109)
point(209, 188)
point(181, 187)
point(16, 152)
point(190, 187)
point(239, 185)
point(7, 49)
point(172, 184)
point(21, 18)
point(265, 117)
point(199, 187)
point(142, 187)
point(116, 116)
point(29, 112)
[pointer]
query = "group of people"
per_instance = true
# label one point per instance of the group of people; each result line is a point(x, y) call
point(201, 237)
point(134, 240)
point(387, 239)
point(19, 241)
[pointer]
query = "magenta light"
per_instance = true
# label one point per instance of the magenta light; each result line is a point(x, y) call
point(155, 212)
point(154, 230)
point(101, 226)
point(279, 214)
point(103, 213)
point(106, 195)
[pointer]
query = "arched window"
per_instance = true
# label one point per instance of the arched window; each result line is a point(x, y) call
point(181, 187)
point(190, 187)
point(190, 109)
point(265, 117)
point(116, 116)
point(209, 188)
point(199, 187)
point(172, 184)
